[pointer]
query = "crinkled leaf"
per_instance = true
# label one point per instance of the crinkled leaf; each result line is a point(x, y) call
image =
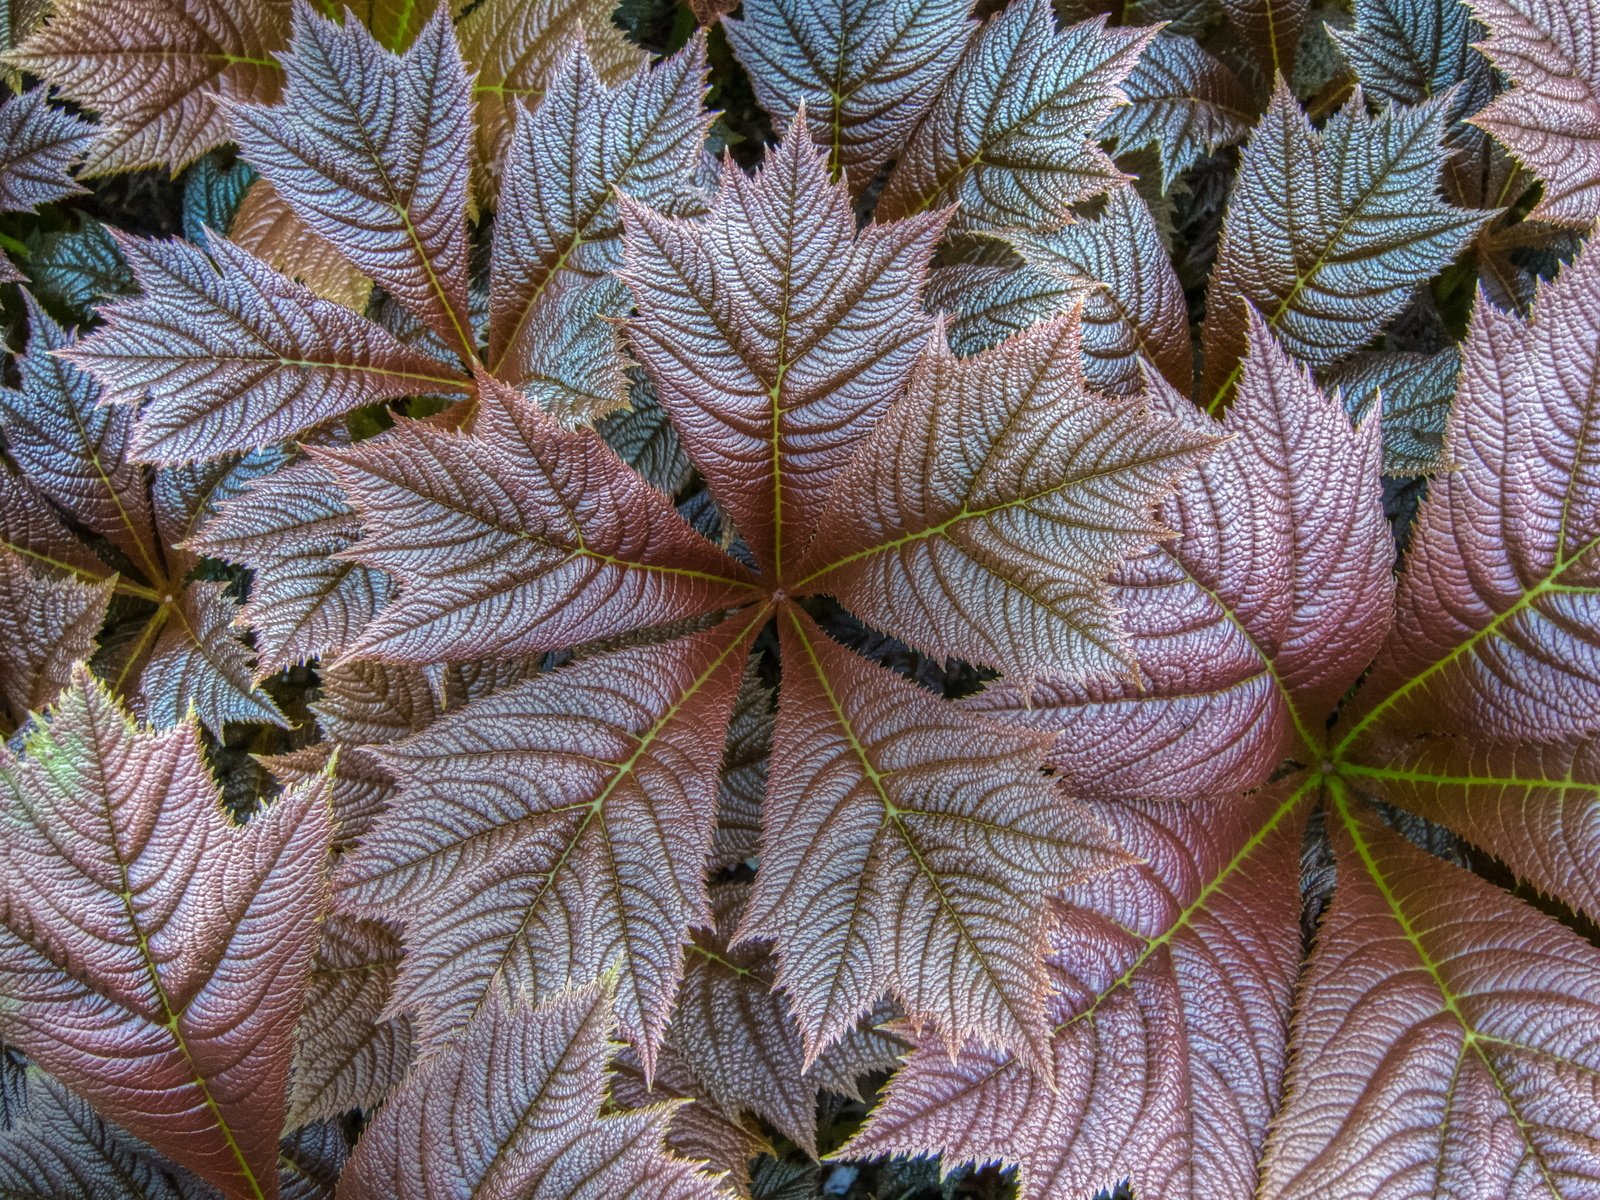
point(310, 1161)
point(230, 355)
point(1183, 101)
point(268, 228)
point(1329, 232)
point(589, 851)
point(366, 148)
point(776, 335)
point(1256, 620)
point(153, 956)
point(866, 72)
point(743, 779)
point(521, 537)
point(1408, 51)
point(1441, 1039)
point(1415, 391)
point(1173, 979)
point(46, 625)
point(1011, 135)
point(155, 70)
point(39, 145)
point(907, 847)
point(981, 516)
point(1497, 629)
point(77, 268)
point(369, 702)
point(198, 660)
point(212, 195)
point(516, 1110)
point(1272, 28)
point(644, 438)
point(1550, 119)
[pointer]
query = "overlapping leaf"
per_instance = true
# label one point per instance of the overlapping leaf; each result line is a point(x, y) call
point(1415, 391)
point(517, 1111)
point(38, 147)
point(267, 227)
point(46, 625)
point(138, 924)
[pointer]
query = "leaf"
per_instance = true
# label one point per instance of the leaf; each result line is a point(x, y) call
point(62, 1150)
point(268, 228)
point(198, 663)
point(908, 847)
point(231, 355)
point(514, 46)
point(38, 147)
point(980, 517)
point(1550, 119)
point(75, 268)
point(1495, 633)
point(521, 538)
point(346, 1055)
point(1257, 620)
point(1415, 391)
point(364, 148)
point(46, 625)
point(212, 195)
point(776, 335)
point(1184, 102)
point(153, 956)
point(590, 852)
point(310, 1160)
point(1436, 995)
point(1272, 28)
point(865, 73)
point(742, 782)
point(568, 159)
point(644, 438)
point(1405, 53)
point(1173, 979)
point(289, 528)
point(1329, 232)
point(174, 60)
point(1010, 136)
point(516, 1111)
point(367, 702)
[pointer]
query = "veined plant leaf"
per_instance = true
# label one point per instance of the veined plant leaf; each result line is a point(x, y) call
point(1415, 391)
point(268, 228)
point(39, 145)
point(46, 625)
point(137, 922)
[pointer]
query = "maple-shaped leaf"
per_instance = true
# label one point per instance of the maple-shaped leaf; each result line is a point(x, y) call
point(1115, 266)
point(228, 355)
point(1183, 101)
point(776, 334)
point(908, 847)
point(366, 148)
point(346, 1054)
point(1256, 620)
point(289, 528)
point(46, 625)
point(1328, 232)
point(980, 517)
point(513, 48)
point(38, 147)
point(266, 227)
point(590, 854)
point(1011, 135)
point(1550, 119)
point(1495, 633)
point(1172, 981)
point(865, 72)
point(1415, 391)
point(515, 1109)
point(1439, 1038)
point(520, 537)
point(559, 225)
point(60, 1149)
point(154, 70)
point(138, 926)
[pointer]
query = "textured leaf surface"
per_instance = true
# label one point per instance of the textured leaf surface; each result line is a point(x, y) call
point(1415, 391)
point(1497, 631)
point(980, 517)
point(1329, 231)
point(366, 149)
point(154, 70)
point(232, 356)
point(865, 72)
point(1183, 101)
point(516, 1111)
point(1010, 136)
point(776, 335)
point(1255, 622)
point(140, 926)
point(907, 847)
point(523, 537)
point(1440, 1041)
point(198, 660)
point(38, 147)
point(1172, 981)
point(46, 625)
point(1272, 28)
point(589, 852)
point(268, 228)
point(567, 160)
point(212, 195)
point(1406, 52)
point(75, 268)
point(1550, 119)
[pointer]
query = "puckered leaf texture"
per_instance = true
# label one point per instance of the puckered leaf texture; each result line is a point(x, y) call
point(137, 923)
point(38, 146)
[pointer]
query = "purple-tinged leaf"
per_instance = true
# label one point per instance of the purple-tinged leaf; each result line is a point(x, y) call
point(198, 663)
point(1272, 28)
point(46, 625)
point(39, 145)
